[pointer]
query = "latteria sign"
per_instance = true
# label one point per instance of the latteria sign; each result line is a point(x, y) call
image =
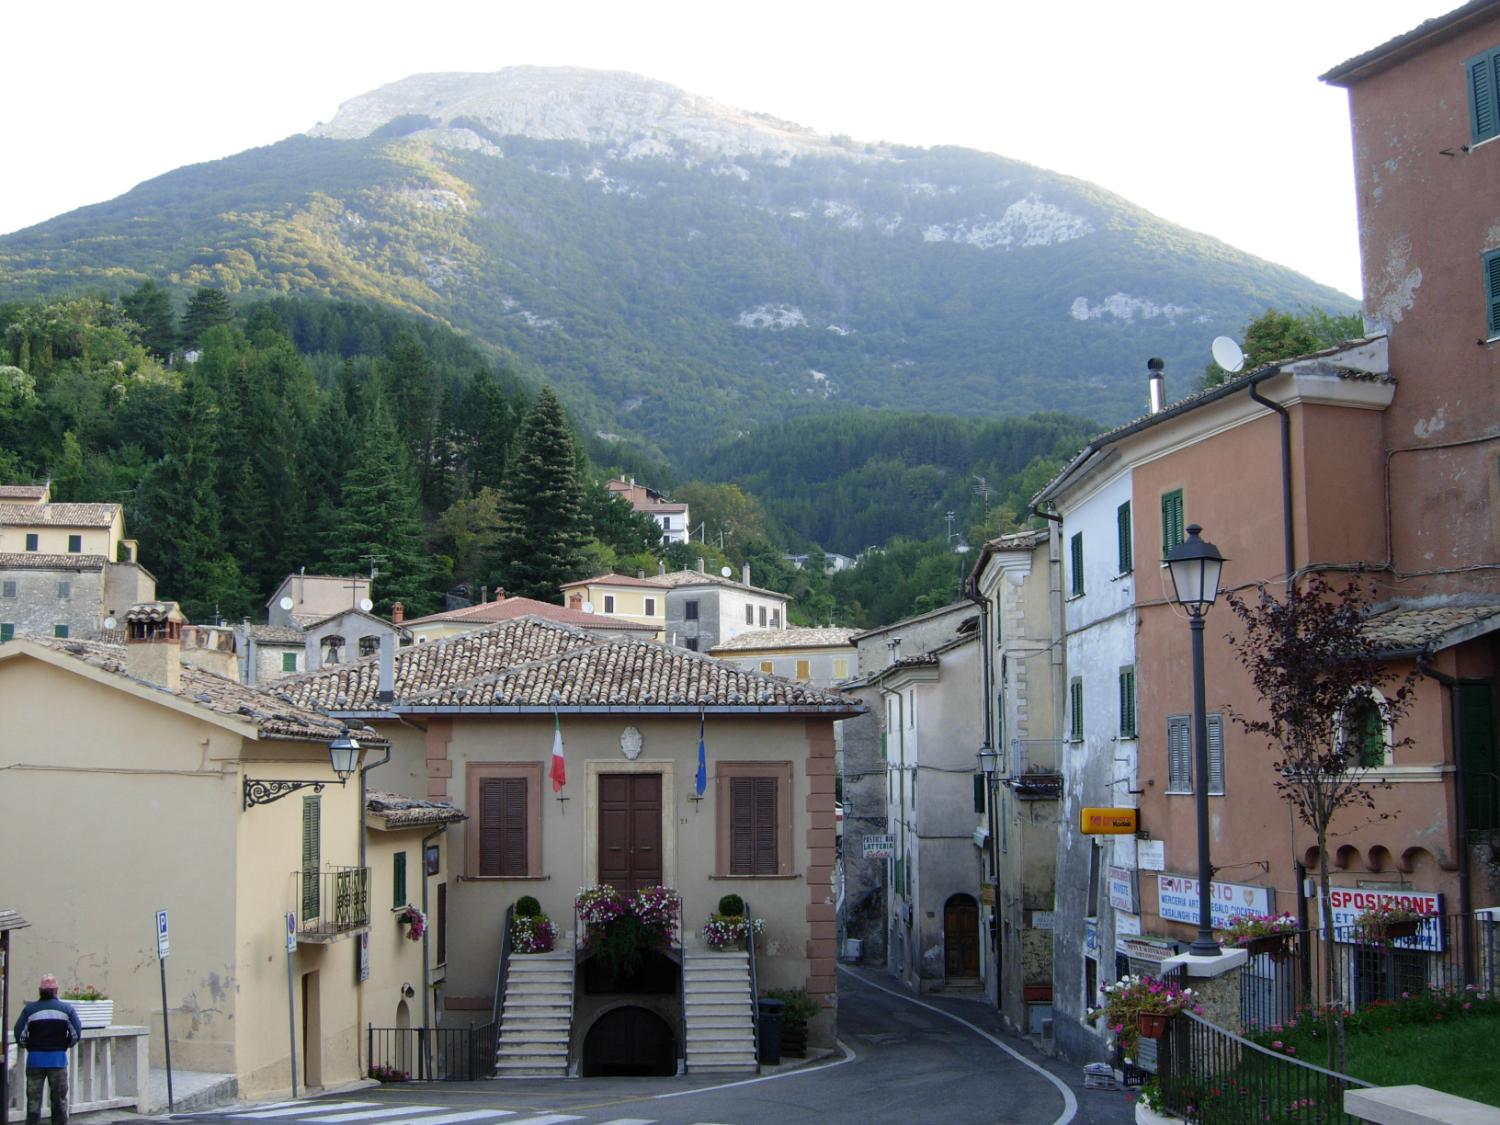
point(1347, 904)
point(1107, 822)
point(1177, 900)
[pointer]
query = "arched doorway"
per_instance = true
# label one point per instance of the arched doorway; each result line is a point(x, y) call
point(405, 1050)
point(961, 937)
point(630, 1042)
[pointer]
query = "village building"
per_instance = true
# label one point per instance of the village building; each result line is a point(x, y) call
point(639, 601)
point(822, 656)
point(705, 610)
point(672, 518)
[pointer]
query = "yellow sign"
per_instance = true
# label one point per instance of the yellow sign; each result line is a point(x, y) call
point(1108, 822)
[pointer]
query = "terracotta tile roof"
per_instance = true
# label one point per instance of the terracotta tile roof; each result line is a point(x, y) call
point(823, 637)
point(634, 675)
point(409, 812)
point(35, 560)
point(675, 578)
point(1415, 630)
point(421, 668)
point(508, 610)
point(271, 715)
point(23, 491)
point(59, 515)
point(277, 635)
point(616, 580)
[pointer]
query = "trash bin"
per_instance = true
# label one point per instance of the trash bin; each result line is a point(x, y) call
point(770, 1031)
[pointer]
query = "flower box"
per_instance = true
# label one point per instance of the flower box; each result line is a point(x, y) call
point(1151, 1025)
point(94, 1013)
point(1274, 945)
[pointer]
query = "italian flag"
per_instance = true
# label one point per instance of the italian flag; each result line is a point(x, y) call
point(559, 767)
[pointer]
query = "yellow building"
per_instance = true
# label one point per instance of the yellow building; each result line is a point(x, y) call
point(820, 656)
point(135, 784)
point(641, 600)
point(453, 622)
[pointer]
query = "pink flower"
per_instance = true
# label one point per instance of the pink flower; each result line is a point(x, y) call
point(1291, 1050)
point(1276, 1044)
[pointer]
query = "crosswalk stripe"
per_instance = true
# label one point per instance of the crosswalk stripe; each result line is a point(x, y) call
point(377, 1114)
point(548, 1119)
point(474, 1115)
point(302, 1107)
point(631, 1121)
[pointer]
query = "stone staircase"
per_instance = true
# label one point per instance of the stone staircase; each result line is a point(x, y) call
point(537, 1019)
point(720, 1023)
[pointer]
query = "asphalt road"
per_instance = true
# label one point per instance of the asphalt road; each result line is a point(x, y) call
point(902, 1060)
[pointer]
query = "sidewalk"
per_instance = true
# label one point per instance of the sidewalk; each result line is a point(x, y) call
point(1095, 1107)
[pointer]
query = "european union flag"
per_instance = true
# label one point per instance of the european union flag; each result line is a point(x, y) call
point(700, 783)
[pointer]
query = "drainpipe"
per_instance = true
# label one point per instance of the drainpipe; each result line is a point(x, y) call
point(986, 686)
point(1289, 553)
point(426, 931)
point(363, 864)
point(1460, 810)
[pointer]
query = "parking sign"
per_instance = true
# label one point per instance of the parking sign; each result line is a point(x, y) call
point(162, 945)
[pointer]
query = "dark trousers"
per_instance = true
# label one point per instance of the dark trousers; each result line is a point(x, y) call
point(57, 1086)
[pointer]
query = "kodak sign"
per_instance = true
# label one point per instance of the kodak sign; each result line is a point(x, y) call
point(1108, 822)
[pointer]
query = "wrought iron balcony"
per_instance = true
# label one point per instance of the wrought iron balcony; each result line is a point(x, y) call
point(1033, 774)
point(331, 903)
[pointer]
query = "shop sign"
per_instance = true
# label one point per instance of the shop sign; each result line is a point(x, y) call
point(1107, 822)
point(1151, 855)
point(1177, 900)
point(1349, 902)
point(1122, 889)
point(879, 847)
point(1091, 938)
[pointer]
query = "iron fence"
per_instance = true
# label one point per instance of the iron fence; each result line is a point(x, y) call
point(1213, 1077)
point(427, 1054)
point(332, 900)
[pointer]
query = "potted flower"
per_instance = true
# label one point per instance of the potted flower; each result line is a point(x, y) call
point(414, 918)
point(93, 1007)
point(797, 1008)
point(1387, 920)
point(1141, 1006)
point(621, 929)
point(531, 931)
point(1260, 933)
point(728, 927)
point(382, 1073)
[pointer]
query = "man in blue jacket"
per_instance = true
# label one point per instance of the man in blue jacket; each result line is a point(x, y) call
point(48, 1027)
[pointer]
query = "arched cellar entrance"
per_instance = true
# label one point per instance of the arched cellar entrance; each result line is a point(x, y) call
point(630, 1042)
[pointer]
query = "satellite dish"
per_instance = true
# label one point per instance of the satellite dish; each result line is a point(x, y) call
point(366, 604)
point(588, 607)
point(725, 571)
point(285, 603)
point(1227, 354)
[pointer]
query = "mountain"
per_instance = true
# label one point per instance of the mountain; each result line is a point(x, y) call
point(686, 272)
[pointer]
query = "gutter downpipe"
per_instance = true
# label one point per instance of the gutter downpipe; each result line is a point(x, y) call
point(364, 866)
point(986, 685)
point(1288, 544)
point(427, 964)
point(1460, 811)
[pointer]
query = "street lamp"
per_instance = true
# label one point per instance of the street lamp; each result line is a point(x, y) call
point(1195, 565)
point(989, 761)
point(343, 756)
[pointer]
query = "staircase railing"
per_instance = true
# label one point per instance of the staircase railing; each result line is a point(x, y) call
point(754, 990)
point(502, 970)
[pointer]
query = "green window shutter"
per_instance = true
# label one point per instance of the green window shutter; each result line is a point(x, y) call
point(1075, 704)
point(979, 792)
point(312, 855)
point(1484, 95)
point(59, 630)
point(1492, 291)
point(1215, 754)
point(1077, 559)
point(288, 661)
point(7, 633)
point(398, 880)
point(1179, 754)
point(1122, 524)
point(1172, 530)
point(1474, 704)
point(1127, 702)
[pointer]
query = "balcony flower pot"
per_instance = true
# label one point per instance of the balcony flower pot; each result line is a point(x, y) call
point(1151, 1025)
point(1273, 945)
point(94, 1013)
point(1402, 929)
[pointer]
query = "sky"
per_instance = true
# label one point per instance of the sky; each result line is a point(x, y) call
point(1209, 114)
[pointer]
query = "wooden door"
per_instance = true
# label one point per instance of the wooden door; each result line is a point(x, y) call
point(630, 830)
point(961, 936)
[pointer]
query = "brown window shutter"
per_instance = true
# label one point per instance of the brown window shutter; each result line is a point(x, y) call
point(502, 826)
point(752, 826)
point(765, 826)
point(442, 923)
point(513, 847)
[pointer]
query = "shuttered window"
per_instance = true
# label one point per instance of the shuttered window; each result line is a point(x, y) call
point(979, 792)
point(1075, 707)
point(752, 826)
point(503, 827)
point(1492, 291)
point(398, 880)
point(1127, 702)
point(1179, 754)
point(1076, 559)
point(442, 923)
point(1173, 531)
point(288, 661)
point(1484, 95)
point(1122, 534)
point(1215, 755)
point(312, 855)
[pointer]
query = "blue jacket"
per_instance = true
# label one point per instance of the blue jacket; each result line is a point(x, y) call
point(47, 1028)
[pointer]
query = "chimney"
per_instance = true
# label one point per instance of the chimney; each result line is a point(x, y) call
point(1158, 384)
point(575, 600)
point(387, 688)
point(484, 594)
point(398, 613)
point(701, 568)
point(661, 566)
point(745, 574)
point(894, 646)
point(499, 593)
point(249, 676)
point(639, 573)
point(153, 644)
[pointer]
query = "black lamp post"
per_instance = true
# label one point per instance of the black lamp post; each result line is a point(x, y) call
point(343, 756)
point(1195, 565)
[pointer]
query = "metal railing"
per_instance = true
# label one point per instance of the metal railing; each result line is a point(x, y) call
point(333, 900)
point(754, 987)
point(1213, 1077)
point(502, 968)
point(428, 1054)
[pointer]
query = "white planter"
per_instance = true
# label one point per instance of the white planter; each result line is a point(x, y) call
point(94, 1013)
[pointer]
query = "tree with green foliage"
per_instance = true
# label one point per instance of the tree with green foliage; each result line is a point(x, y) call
point(1275, 335)
point(380, 523)
point(543, 531)
point(150, 307)
point(616, 524)
point(464, 538)
point(206, 308)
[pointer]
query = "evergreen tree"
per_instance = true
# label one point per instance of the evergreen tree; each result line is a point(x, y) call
point(205, 309)
point(542, 533)
point(380, 524)
point(150, 306)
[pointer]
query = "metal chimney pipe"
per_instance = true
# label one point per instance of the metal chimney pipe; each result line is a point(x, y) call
point(387, 689)
point(1158, 379)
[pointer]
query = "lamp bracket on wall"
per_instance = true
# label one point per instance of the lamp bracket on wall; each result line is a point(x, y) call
point(264, 790)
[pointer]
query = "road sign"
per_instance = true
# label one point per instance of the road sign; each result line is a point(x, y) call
point(879, 847)
point(163, 946)
point(1107, 822)
point(291, 932)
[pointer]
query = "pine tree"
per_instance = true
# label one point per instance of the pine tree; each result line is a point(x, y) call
point(206, 309)
point(150, 306)
point(540, 545)
point(380, 524)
